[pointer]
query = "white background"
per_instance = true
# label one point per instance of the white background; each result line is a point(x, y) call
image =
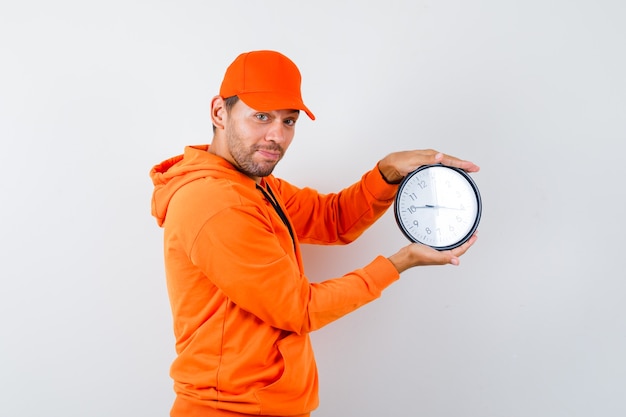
point(533, 322)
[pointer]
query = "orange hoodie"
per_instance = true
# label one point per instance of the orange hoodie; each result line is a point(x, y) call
point(242, 306)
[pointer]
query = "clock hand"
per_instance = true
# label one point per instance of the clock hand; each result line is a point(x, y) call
point(429, 206)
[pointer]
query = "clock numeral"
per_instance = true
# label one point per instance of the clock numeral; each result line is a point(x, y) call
point(413, 196)
point(422, 184)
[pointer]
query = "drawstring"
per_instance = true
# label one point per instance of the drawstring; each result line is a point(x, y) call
point(272, 200)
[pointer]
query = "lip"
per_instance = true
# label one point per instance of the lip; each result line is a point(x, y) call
point(271, 155)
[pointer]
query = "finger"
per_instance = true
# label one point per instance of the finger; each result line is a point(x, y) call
point(446, 257)
point(455, 162)
point(464, 247)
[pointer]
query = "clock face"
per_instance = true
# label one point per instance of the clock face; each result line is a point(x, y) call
point(438, 206)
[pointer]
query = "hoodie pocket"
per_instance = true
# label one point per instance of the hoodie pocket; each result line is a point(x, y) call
point(296, 391)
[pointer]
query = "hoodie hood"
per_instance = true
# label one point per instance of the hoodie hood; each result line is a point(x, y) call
point(173, 173)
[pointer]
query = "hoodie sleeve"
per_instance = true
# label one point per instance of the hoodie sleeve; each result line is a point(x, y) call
point(337, 218)
point(239, 251)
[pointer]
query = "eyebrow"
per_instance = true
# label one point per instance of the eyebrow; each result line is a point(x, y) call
point(291, 112)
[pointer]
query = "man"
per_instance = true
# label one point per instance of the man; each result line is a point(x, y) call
point(242, 305)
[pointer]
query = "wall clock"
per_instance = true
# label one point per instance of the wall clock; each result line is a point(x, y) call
point(438, 206)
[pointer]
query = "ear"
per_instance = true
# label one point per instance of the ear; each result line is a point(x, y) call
point(218, 112)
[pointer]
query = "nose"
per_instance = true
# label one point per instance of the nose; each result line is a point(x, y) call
point(275, 132)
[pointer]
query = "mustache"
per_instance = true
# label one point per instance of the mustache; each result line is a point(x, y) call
point(272, 148)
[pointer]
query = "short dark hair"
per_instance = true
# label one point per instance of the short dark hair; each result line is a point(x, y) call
point(229, 102)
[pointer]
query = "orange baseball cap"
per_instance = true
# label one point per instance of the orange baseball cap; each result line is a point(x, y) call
point(265, 80)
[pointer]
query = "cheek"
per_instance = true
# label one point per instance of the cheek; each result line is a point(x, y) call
point(242, 132)
point(288, 135)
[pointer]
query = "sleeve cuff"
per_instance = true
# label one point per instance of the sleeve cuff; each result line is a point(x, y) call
point(378, 187)
point(382, 273)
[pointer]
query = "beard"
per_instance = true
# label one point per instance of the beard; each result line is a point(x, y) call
point(244, 156)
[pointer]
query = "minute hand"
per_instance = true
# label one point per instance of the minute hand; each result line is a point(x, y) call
point(431, 206)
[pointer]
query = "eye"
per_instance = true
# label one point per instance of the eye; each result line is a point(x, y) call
point(290, 122)
point(262, 116)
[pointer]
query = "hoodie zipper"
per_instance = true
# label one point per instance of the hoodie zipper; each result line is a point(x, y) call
point(269, 196)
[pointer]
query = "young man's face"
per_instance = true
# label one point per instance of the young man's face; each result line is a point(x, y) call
point(257, 140)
